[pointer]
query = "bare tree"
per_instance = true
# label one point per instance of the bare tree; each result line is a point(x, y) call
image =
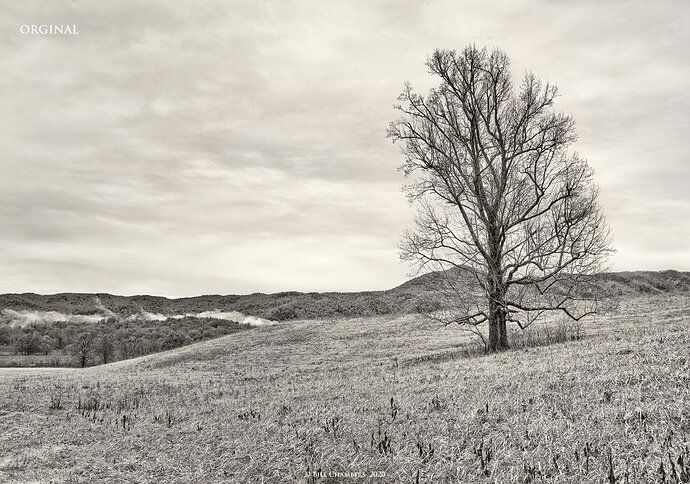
point(104, 348)
point(82, 349)
point(500, 195)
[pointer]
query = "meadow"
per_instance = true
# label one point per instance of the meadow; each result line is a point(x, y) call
point(389, 398)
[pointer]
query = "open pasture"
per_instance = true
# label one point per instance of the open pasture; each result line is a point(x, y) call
point(383, 399)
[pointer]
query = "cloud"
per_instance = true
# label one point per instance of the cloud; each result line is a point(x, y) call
point(230, 147)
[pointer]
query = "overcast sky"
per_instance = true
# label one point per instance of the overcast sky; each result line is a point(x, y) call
point(181, 148)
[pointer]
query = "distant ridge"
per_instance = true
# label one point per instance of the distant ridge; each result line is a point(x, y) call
point(297, 305)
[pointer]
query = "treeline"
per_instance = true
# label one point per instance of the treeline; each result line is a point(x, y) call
point(113, 339)
point(405, 298)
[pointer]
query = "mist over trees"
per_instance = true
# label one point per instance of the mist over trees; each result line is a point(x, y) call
point(85, 344)
point(502, 198)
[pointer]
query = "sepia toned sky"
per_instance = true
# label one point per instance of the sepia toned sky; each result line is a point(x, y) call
point(182, 148)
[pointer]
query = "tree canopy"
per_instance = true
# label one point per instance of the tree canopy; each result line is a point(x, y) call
point(501, 195)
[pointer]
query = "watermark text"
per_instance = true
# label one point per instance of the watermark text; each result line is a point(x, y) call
point(49, 29)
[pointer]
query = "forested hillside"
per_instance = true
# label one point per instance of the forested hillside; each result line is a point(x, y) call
point(298, 305)
point(87, 329)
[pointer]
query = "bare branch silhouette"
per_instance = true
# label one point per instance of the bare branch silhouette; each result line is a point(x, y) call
point(501, 197)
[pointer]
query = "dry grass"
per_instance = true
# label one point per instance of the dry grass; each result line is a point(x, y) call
point(391, 398)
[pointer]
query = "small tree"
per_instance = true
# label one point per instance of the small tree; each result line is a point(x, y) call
point(29, 343)
point(104, 348)
point(125, 347)
point(501, 197)
point(82, 349)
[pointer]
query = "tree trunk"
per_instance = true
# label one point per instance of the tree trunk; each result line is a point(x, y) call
point(496, 291)
point(498, 332)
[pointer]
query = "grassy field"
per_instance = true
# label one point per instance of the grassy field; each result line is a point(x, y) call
point(12, 360)
point(384, 399)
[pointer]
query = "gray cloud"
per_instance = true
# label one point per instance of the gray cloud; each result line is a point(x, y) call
point(183, 148)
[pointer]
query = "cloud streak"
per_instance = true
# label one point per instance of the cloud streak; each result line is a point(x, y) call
point(25, 317)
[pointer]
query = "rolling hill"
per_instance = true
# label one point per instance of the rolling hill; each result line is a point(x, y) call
point(390, 399)
point(298, 305)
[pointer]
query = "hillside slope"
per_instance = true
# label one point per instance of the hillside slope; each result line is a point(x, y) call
point(296, 305)
point(390, 398)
